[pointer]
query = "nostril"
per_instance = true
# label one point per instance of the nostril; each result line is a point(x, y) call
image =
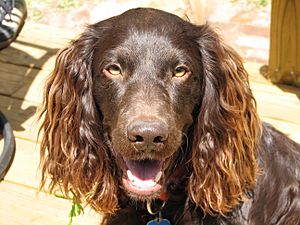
point(133, 137)
point(139, 138)
point(134, 134)
point(159, 139)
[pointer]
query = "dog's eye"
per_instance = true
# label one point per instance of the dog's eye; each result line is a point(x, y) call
point(114, 70)
point(180, 71)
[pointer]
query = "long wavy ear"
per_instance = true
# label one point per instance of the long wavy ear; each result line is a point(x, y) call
point(73, 154)
point(226, 138)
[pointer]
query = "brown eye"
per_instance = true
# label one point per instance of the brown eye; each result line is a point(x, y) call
point(180, 71)
point(114, 70)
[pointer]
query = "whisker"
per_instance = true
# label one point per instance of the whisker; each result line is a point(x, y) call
point(183, 151)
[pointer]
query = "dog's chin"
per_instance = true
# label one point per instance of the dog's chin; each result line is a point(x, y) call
point(141, 194)
point(141, 179)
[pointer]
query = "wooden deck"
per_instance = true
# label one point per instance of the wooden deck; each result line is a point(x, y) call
point(23, 68)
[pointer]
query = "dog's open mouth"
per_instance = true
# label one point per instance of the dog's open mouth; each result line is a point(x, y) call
point(142, 176)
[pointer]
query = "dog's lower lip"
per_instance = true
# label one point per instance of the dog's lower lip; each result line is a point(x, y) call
point(141, 191)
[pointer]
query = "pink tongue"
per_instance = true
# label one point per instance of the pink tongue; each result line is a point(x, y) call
point(144, 169)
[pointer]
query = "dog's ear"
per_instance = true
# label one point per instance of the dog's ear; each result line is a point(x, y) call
point(73, 154)
point(226, 138)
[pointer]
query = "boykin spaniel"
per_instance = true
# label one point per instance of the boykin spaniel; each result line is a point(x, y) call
point(150, 120)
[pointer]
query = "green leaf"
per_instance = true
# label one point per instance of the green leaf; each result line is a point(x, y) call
point(76, 210)
point(60, 196)
point(70, 221)
point(71, 213)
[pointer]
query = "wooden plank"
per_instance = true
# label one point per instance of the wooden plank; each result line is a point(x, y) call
point(21, 115)
point(278, 90)
point(278, 112)
point(24, 168)
point(28, 87)
point(22, 82)
point(36, 45)
point(43, 36)
point(279, 98)
point(32, 90)
point(255, 77)
point(27, 55)
point(290, 129)
point(277, 104)
point(279, 107)
point(13, 77)
point(21, 205)
point(18, 71)
point(8, 87)
point(253, 70)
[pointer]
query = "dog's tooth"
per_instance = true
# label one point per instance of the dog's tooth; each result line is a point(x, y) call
point(158, 176)
point(130, 176)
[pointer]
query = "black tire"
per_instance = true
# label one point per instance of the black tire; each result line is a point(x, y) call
point(8, 153)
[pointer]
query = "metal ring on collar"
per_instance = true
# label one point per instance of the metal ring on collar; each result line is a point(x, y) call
point(149, 209)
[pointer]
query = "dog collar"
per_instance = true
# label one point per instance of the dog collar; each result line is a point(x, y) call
point(175, 182)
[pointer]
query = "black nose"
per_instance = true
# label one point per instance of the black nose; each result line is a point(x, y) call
point(147, 135)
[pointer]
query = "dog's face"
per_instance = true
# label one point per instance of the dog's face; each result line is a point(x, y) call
point(147, 81)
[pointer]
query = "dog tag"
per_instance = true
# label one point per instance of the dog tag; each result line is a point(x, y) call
point(159, 222)
point(159, 219)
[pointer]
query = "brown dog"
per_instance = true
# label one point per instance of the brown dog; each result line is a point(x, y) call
point(146, 107)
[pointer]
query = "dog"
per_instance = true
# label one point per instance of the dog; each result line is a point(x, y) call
point(150, 120)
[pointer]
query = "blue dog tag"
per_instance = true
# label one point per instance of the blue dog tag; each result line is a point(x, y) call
point(159, 222)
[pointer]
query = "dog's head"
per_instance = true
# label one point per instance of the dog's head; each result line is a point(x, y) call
point(146, 85)
point(139, 95)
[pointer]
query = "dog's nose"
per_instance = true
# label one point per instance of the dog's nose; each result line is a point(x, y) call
point(147, 135)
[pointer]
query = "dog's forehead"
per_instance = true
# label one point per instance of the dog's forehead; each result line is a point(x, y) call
point(146, 25)
point(148, 48)
point(147, 41)
point(148, 18)
point(146, 35)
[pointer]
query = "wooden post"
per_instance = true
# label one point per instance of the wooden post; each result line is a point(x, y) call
point(284, 59)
